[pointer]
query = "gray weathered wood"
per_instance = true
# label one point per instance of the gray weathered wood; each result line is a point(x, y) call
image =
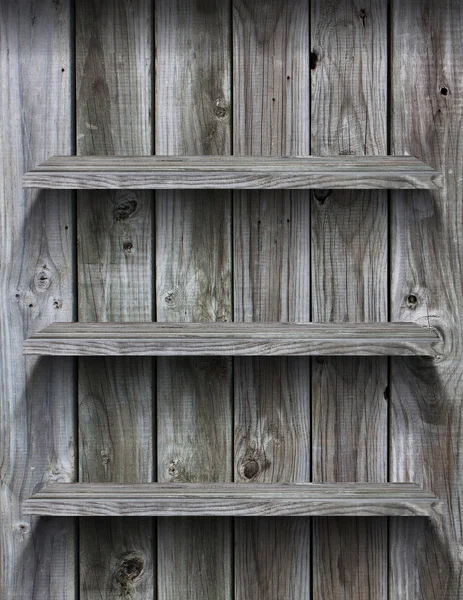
point(279, 570)
point(352, 490)
point(271, 283)
point(193, 283)
point(233, 172)
point(233, 339)
point(272, 421)
point(427, 282)
point(349, 283)
point(37, 410)
point(221, 499)
point(115, 275)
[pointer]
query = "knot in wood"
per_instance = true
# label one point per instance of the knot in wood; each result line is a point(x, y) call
point(221, 317)
point(250, 469)
point(29, 299)
point(314, 58)
point(177, 470)
point(321, 195)
point(363, 15)
point(24, 528)
point(104, 457)
point(412, 301)
point(125, 205)
point(169, 298)
point(129, 570)
point(221, 110)
point(42, 279)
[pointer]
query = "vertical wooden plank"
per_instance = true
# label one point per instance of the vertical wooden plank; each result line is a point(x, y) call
point(426, 271)
point(193, 263)
point(37, 397)
point(271, 283)
point(349, 283)
point(115, 229)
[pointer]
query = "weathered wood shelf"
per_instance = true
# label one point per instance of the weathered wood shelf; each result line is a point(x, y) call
point(232, 172)
point(229, 499)
point(232, 339)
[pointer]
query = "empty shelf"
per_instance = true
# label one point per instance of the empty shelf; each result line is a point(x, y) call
point(233, 499)
point(232, 339)
point(232, 172)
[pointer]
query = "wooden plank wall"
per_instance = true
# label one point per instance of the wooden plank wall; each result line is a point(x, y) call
point(114, 55)
point(349, 283)
point(193, 283)
point(238, 77)
point(271, 279)
point(37, 399)
point(426, 286)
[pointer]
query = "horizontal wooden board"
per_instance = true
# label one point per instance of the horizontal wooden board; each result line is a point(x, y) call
point(233, 172)
point(243, 499)
point(232, 339)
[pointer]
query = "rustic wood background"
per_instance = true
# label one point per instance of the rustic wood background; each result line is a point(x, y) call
point(246, 77)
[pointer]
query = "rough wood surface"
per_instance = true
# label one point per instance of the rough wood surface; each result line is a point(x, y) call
point(37, 409)
point(115, 276)
point(271, 42)
point(234, 172)
point(232, 339)
point(349, 283)
point(427, 282)
point(221, 499)
point(270, 278)
point(193, 283)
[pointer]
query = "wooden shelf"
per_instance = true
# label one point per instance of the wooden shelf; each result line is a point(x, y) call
point(232, 339)
point(232, 172)
point(233, 499)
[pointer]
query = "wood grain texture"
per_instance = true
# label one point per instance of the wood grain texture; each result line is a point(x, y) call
point(426, 270)
point(233, 339)
point(271, 275)
point(349, 283)
point(37, 409)
point(205, 163)
point(193, 283)
point(115, 232)
point(234, 172)
point(36, 268)
point(219, 499)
